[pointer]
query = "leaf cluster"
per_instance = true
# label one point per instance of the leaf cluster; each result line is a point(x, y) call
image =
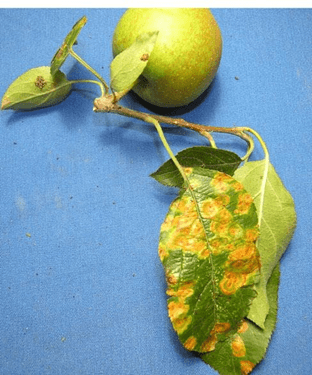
point(237, 350)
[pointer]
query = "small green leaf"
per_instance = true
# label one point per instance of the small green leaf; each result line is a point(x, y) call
point(207, 247)
point(62, 53)
point(129, 64)
point(36, 88)
point(240, 352)
point(277, 224)
point(198, 156)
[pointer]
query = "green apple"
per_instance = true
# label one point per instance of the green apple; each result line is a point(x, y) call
point(186, 55)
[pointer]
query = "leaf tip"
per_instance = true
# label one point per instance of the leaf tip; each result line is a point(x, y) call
point(5, 103)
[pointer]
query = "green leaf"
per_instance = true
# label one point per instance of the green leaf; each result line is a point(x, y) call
point(129, 64)
point(277, 216)
point(198, 156)
point(207, 247)
point(62, 53)
point(239, 353)
point(36, 88)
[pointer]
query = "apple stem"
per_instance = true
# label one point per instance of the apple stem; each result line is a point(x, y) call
point(108, 104)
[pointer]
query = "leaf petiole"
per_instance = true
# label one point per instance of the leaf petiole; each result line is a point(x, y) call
point(265, 170)
point(87, 66)
point(90, 81)
point(166, 145)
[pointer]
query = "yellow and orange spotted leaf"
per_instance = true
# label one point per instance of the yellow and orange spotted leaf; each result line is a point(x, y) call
point(244, 349)
point(207, 247)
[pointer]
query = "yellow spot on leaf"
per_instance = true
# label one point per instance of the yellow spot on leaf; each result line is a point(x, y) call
point(246, 367)
point(210, 344)
point(221, 182)
point(224, 199)
point(243, 327)
point(171, 279)
point(176, 309)
point(237, 186)
point(222, 327)
point(224, 216)
point(181, 324)
point(251, 234)
point(162, 252)
point(220, 229)
point(244, 259)
point(238, 347)
point(236, 231)
point(231, 282)
point(188, 171)
point(184, 291)
point(190, 343)
point(210, 208)
point(244, 202)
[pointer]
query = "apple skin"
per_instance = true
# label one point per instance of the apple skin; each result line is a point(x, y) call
point(185, 58)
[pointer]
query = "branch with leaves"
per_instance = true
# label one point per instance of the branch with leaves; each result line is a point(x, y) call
point(224, 235)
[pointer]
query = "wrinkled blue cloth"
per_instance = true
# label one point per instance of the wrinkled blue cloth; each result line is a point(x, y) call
point(82, 290)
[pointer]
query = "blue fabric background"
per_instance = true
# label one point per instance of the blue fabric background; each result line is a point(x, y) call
point(82, 288)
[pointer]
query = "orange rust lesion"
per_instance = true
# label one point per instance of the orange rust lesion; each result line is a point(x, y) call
point(247, 266)
point(224, 216)
point(245, 251)
point(209, 208)
point(238, 347)
point(243, 327)
point(231, 282)
point(237, 186)
point(223, 199)
point(181, 324)
point(162, 252)
point(219, 245)
point(187, 243)
point(246, 367)
point(236, 231)
point(220, 229)
point(244, 259)
point(244, 203)
point(189, 226)
point(184, 291)
point(210, 343)
point(190, 343)
point(167, 223)
point(252, 235)
point(171, 279)
point(221, 182)
point(176, 309)
point(222, 327)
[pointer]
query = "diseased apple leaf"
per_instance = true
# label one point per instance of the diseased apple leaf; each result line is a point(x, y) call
point(198, 156)
point(277, 216)
point(36, 88)
point(207, 247)
point(239, 353)
point(129, 64)
point(62, 53)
